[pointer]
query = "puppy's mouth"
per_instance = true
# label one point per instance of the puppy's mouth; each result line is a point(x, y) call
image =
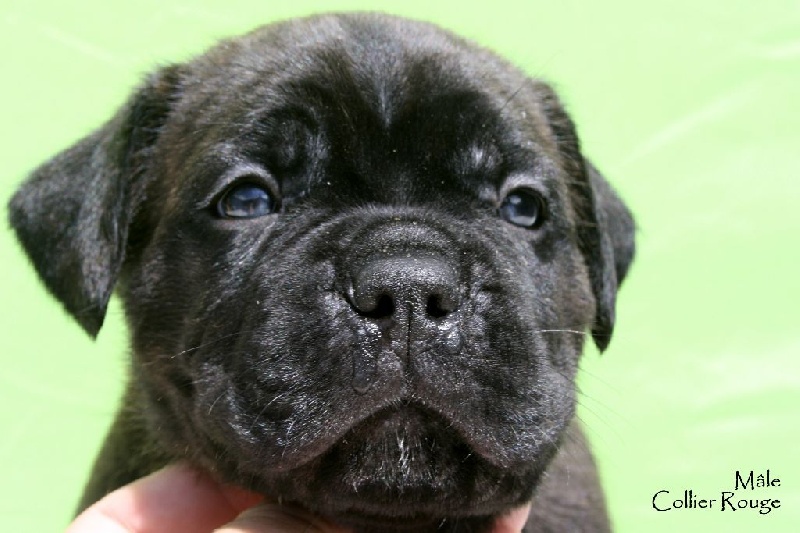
point(402, 444)
point(395, 444)
point(403, 454)
point(401, 439)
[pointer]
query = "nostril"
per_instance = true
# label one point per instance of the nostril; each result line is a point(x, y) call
point(435, 308)
point(422, 287)
point(384, 308)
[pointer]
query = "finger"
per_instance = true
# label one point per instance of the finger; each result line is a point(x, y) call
point(513, 522)
point(176, 499)
point(274, 518)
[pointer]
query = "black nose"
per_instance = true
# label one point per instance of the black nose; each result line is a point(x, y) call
point(424, 287)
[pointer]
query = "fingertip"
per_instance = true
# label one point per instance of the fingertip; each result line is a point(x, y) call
point(513, 521)
point(94, 520)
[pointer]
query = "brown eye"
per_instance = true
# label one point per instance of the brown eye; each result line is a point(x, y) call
point(246, 201)
point(523, 208)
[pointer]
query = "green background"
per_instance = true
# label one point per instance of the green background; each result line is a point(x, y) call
point(692, 109)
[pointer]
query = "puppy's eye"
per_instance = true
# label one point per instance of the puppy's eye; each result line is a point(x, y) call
point(523, 207)
point(246, 200)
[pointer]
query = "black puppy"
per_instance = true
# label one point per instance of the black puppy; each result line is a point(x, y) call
point(357, 255)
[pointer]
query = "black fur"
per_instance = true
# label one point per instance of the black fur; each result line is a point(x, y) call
point(385, 350)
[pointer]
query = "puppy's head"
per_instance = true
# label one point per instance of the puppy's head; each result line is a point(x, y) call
point(358, 256)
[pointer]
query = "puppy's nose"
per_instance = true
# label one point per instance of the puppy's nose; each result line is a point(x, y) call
point(424, 287)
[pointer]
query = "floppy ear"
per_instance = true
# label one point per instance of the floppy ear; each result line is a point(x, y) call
point(73, 213)
point(607, 243)
point(605, 226)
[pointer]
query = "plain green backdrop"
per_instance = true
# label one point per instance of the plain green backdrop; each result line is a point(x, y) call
point(690, 108)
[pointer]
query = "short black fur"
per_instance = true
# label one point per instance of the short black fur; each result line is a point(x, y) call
point(385, 349)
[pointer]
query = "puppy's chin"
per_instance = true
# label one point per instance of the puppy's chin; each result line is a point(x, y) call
point(400, 458)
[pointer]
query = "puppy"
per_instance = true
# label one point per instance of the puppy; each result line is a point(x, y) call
point(357, 256)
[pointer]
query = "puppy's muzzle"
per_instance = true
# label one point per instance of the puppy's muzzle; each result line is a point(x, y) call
point(412, 303)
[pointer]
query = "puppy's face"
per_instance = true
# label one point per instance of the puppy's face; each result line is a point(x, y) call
point(357, 255)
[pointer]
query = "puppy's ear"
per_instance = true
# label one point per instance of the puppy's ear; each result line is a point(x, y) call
point(73, 213)
point(607, 243)
point(605, 226)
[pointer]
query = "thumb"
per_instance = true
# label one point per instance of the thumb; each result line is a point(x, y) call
point(274, 518)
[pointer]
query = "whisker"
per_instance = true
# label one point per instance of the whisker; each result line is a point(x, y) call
point(575, 331)
point(199, 346)
point(266, 406)
point(218, 398)
point(510, 98)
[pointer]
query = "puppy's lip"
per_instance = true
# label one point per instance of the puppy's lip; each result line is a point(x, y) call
point(390, 417)
point(375, 477)
point(396, 416)
point(417, 416)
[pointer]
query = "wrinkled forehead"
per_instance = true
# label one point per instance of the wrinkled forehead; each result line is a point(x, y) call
point(379, 78)
point(359, 65)
point(371, 103)
point(379, 58)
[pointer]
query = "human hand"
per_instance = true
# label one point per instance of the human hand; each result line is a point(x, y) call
point(179, 499)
